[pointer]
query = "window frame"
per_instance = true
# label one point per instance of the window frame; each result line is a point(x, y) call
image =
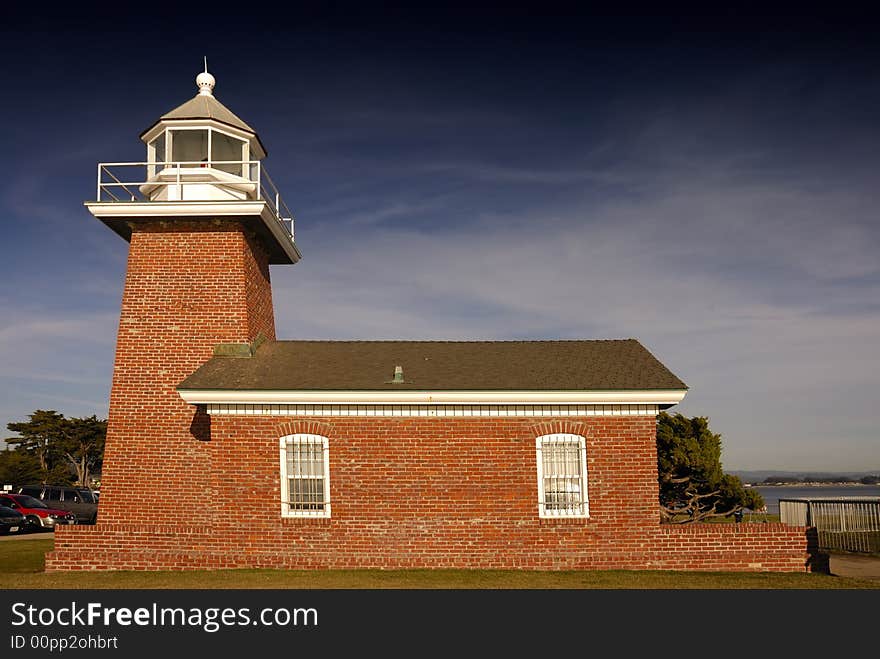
point(584, 505)
point(286, 509)
point(167, 136)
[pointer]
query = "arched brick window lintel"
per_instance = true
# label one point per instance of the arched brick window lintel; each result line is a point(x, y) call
point(561, 426)
point(304, 427)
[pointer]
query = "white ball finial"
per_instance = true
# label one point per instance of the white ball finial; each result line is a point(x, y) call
point(205, 81)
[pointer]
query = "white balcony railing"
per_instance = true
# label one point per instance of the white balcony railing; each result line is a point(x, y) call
point(218, 180)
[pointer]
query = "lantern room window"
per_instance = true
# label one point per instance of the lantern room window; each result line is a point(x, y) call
point(193, 147)
point(189, 146)
point(159, 148)
point(226, 147)
point(155, 153)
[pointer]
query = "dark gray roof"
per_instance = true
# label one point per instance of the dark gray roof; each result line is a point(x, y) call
point(439, 366)
point(203, 106)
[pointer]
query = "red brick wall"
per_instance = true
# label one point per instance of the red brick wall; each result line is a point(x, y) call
point(746, 547)
point(188, 287)
point(434, 492)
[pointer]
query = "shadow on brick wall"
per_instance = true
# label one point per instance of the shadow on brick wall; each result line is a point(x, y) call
point(200, 427)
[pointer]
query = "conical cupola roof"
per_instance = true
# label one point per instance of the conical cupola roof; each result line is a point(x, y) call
point(204, 106)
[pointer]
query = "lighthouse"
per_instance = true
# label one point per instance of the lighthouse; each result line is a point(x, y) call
point(203, 221)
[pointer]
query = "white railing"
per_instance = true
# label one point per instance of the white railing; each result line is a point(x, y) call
point(843, 523)
point(248, 179)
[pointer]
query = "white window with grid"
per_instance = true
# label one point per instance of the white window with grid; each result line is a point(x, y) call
point(562, 475)
point(305, 476)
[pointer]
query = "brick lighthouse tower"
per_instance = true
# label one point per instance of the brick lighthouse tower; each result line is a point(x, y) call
point(203, 221)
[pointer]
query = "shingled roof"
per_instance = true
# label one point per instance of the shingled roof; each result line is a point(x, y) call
point(205, 106)
point(438, 366)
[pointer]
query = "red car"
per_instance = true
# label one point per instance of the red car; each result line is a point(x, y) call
point(37, 515)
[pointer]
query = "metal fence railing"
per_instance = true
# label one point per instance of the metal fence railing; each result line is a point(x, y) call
point(145, 181)
point(845, 523)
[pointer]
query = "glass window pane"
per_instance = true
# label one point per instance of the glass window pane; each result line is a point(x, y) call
point(224, 147)
point(562, 477)
point(190, 146)
point(306, 494)
point(305, 472)
point(159, 144)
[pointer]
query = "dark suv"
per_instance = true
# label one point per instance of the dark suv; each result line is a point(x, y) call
point(78, 500)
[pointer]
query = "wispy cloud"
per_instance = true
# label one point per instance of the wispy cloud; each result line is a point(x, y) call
point(51, 359)
point(391, 211)
point(93, 328)
point(493, 172)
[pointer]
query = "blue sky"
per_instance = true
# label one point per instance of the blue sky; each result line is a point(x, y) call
point(708, 185)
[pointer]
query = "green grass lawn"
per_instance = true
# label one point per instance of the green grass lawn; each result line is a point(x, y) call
point(22, 562)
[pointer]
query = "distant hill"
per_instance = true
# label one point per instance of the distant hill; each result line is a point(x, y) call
point(758, 476)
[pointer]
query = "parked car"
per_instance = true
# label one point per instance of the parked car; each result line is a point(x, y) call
point(11, 521)
point(37, 515)
point(77, 500)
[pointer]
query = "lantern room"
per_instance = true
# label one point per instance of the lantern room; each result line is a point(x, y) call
point(207, 147)
point(201, 151)
point(202, 161)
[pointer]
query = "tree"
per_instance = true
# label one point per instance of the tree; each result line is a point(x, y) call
point(781, 479)
point(60, 447)
point(19, 467)
point(81, 442)
point(37, 435)
point(693, 485)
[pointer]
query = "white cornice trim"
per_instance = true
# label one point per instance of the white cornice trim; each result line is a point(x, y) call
point(439, 411)
point(196, 123)
point(109, 210)
point(385, 397)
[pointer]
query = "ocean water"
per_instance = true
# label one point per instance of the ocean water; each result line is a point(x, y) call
point(773, 493)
